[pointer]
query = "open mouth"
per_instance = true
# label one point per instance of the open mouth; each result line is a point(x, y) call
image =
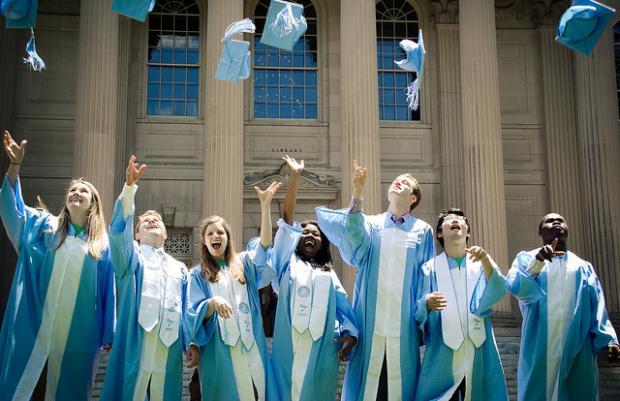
point(216, 245)
point(309, 244)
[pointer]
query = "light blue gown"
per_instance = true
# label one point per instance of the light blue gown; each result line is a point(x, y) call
point(216, 371)
point(124, 363)
point(320, 381)
point(358, 238)
point(436, 376)
point(588, 331)
point(35, 329)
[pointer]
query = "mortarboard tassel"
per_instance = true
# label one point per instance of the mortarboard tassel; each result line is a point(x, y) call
point(33, 60)
point(413, 95)
point(285, 22)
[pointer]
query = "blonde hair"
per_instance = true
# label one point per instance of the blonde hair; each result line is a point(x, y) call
point(210, 267)
point(95, 224)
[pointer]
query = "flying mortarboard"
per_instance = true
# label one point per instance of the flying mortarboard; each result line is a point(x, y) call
point(23, 14)
point(414, 62)
point(135, 9)
point(284, 25)
point(234, 62)
point(582, 25)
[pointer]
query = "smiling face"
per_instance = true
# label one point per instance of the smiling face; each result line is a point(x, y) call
point(151, 229)
point(310, 242)
point(215, 238)
point(453, 228)
point(79, 198)
point(401, 191)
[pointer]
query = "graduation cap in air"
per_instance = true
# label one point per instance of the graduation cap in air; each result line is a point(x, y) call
point(582, 25)
point(135, 9)
point(414, 62)
point(235, 59)
point(284, 26)
point(23, 14)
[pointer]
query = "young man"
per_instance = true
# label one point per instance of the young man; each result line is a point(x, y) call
point(564, 319)
point(457, 295)
point(388, 251)
point(147, 353)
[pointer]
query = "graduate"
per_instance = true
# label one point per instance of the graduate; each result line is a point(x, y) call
point(147, 356)
point(388, 251)
point(457, 294)
point(223, 315)
point(314, 315)
point(60, 310)
point(565, 322)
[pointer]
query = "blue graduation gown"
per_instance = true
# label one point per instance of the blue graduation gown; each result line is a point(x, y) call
point(217, 378)
point(90, 325)
point(436, 376)
point(320, 381)
point(589, 330)
point(124, 362)
point(358, 238)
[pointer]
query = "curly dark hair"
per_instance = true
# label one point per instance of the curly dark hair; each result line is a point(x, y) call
point(323, 257)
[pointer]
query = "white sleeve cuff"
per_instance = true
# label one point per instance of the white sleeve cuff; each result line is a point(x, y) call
point(534, 266)
point(127, 199)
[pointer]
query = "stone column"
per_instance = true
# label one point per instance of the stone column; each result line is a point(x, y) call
point(359, 106)
point(482, 139)
point(223, 113)
point(359, 96)
point(560, 134)
point(8, 74)
point(450, 119)
point(599, 155)
point(97, 98)
point(124, 65)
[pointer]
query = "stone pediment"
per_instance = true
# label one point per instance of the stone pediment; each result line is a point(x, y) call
point(311, 185)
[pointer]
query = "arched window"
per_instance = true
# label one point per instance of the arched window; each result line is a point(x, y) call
point(286, 83)
point(173, 59)
point(617, 56)
point(396, 20)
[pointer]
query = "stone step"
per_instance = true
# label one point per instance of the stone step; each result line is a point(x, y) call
point(508, 347)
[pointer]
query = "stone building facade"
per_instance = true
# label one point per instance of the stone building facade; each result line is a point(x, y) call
point(511, 124)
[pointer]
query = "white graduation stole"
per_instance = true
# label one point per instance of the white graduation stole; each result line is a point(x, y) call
point(452, 331)
point(171, 319)
point(150, 298)
point(310, 298)
point(239, 325)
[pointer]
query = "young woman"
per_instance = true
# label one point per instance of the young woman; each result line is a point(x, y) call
point(60, 310)
point(223, 313)
point(314, 316)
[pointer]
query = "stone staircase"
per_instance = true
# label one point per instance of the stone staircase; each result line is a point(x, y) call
point(609, 375)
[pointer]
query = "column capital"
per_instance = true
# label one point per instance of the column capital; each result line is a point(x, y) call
point(445, 11)
point(548, 12)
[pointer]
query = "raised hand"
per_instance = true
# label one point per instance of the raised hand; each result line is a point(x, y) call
point(348, 344)
point(134, 170)
point(359, 176)
point(14, 151)
point(294, 167)
point(436, 301)
point(547, 252)
point(265, 196)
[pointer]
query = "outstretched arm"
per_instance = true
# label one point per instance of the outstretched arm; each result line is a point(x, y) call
point(265, 198)
point(295, 169)
point(15, 154)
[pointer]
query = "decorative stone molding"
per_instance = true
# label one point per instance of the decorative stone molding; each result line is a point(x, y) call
point(445, 11)
point(311, 185)
point(510, 9)
point(548, 12)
